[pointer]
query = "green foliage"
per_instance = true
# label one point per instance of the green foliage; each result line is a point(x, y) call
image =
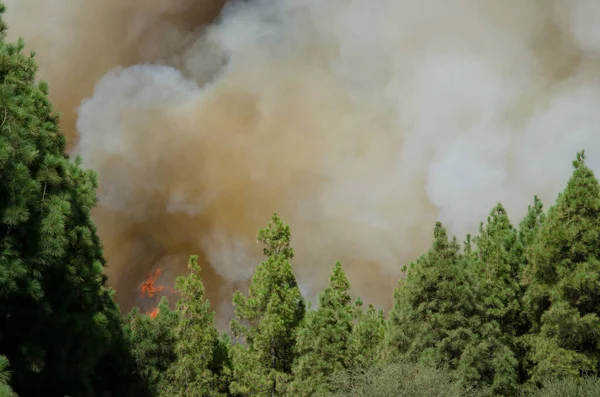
point(498, 270)
point(569, 387)
point(434, 316)
point(52, 293)
point(200, 360)
point(563, 297)
point(399, 380)
point(367, 338)
point(153, 343)
point(496, 266)
point(323, 340)
point(531, 225)
point(267, 318)
point(5, 374)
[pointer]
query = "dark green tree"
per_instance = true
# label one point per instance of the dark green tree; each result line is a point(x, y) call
point(323, 340)
point(563, 278)
point(59, 325)
point(435, 312)
point(267, 318)
point(5, 374)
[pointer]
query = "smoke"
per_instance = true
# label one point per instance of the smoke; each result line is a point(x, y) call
point(360, 123)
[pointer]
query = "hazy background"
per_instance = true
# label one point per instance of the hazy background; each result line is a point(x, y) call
point(360, 122)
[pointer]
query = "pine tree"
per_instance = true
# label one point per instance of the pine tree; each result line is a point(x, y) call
point(498, 267)
point(493, 359)
point(5, 374)
point(323, 341)
point(153, 342)
point(367, 338)
point(435, 309)
point(531, 224)
point(267, 318)
point(563, 295)
point(199, 359)
point(52, 293)
point(529, 228)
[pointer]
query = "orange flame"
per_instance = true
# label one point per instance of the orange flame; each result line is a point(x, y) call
point(148, 287)
point(153, 313)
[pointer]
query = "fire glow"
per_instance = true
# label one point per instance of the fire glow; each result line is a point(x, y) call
point(150, 289)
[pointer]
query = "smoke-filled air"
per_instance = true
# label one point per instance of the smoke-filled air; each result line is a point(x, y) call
point(360, 123)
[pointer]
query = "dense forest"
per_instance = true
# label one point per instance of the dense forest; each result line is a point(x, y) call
point(513, 310)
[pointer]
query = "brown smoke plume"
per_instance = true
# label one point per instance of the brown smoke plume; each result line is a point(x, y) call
point(360, 122)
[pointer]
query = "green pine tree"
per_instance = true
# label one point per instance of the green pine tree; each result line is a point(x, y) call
point(267, 318)
point(153, 342)
point(367, 338)
point(563, 295)
point(531, 225)
point(528, 230)
point(323, 341)
point(52, 293)
point(5, 374)
point(200, 362)
point(435, 308)
point(493, 359)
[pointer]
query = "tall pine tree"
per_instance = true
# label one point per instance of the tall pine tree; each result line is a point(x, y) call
point(323, 342)
point(493, 360)
point(367, 337)
point(563, 296)
point(201, 356)
point(267, 318)
point(153, 343)
point(59, 325)
point(434, 314)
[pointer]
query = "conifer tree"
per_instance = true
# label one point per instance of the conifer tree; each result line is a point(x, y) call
point(367, 337)
point(52, 293)
point(529, 229)
point(153, 343)
point(323, 341)
point(199, 360)
point(434, 314)
point(267, 318)
point(5, 373)
point(531, 225)
point(563, 295)
point(497, 269)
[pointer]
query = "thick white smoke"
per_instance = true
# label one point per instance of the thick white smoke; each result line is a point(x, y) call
point(360, 122)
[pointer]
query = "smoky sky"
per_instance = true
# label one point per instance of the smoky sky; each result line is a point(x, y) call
point(360, 122)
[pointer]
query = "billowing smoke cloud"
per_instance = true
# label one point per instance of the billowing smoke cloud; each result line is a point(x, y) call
point(360, 122)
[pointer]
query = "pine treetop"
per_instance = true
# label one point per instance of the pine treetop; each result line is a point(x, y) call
point(276, 238)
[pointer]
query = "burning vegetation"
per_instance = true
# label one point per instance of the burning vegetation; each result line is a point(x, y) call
point(150, 289)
